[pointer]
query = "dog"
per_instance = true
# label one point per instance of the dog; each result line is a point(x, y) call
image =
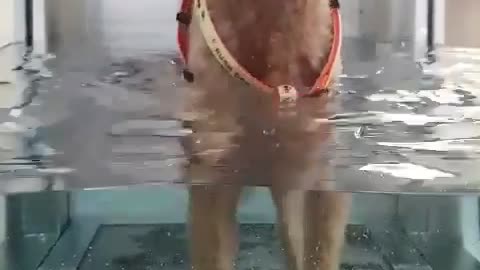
point(266, 129)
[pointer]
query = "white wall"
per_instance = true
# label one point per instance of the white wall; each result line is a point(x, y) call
point(462, 21)
point(12, 21)
point(6, 21)
point(142, 25)
point(351, 18)
point(39, 27)
point(440, 10)
point(456, 23)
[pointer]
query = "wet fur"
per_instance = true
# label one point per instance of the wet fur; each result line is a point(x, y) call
point(239, 139)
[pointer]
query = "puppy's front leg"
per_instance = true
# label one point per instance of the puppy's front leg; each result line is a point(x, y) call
point(213, 226)
point(326, 215)
point(289, 204)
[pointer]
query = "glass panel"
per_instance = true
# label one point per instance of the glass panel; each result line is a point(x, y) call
point(101, 161)
point(151, 228)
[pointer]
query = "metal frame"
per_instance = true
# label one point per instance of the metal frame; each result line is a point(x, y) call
point(29, 23)
point(430, 55)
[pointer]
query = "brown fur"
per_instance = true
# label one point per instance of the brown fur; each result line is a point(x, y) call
point(239, 139)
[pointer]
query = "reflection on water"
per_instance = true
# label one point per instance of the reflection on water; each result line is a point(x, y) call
point(106, 109)
point(117, 122)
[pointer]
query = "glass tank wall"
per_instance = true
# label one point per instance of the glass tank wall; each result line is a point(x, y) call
point(92, 165)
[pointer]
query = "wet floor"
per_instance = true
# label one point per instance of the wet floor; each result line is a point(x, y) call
point(102, 110)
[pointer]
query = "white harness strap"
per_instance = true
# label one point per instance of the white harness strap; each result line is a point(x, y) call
point(230, 64)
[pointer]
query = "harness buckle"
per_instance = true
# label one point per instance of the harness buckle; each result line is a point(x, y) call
point(288, 94)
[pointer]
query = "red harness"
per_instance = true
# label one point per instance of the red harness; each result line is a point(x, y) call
point(184, 18)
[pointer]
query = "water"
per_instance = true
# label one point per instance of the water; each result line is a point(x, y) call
point(99, 124)
point(93, 167)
